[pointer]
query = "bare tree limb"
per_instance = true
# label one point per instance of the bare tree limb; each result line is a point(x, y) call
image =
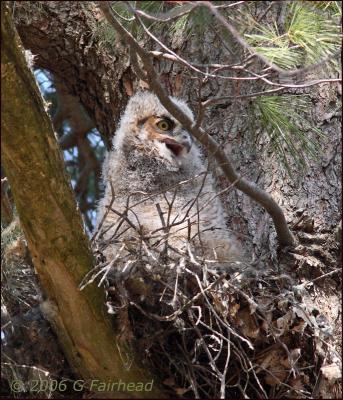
point(213, 9)
point(53, 228)
point(175, 57)
point(285, 236)
point(170, 15)
point(285, 73)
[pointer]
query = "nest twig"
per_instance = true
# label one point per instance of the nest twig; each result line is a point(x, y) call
point(246, 331)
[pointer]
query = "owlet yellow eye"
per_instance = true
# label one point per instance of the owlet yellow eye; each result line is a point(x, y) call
point(164, 125)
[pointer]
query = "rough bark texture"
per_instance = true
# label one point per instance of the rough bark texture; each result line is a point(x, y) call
point(60, 35)
point(52, 225)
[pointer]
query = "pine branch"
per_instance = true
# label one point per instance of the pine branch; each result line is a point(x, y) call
point(269, 55)
point(284, 235)
point(280, 119)
point(307, 38)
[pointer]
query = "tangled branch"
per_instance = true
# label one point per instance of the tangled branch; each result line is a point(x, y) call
point(260, 196)
point(218, 333)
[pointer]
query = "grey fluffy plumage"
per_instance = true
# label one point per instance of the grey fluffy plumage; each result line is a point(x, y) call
point(144, 173)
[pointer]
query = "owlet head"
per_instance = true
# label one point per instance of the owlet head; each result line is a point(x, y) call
point(146, 121)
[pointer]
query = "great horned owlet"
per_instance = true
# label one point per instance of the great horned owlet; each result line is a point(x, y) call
point(160, 193)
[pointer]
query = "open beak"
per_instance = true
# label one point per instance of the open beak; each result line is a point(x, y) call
point(179, 145)
point(175, 147)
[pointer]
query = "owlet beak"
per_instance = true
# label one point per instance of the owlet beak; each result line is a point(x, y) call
point(179, 144)
point(175, 147)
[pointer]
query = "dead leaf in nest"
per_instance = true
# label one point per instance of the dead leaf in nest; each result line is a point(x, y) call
point(247, 323)
point(270, 363)
point(220, 305)
point(269, 359)
point(233, 309)
point(301, 311)
point(276, 378)
point(289, 362)
point(331, 372)
point(264, 302)
point(283, 304)
point(300, 327)
point(277, 365)
point(307, 260)
point(283, 323)
point(297, 383)
point(285, 362)
point(267, 320)
point(181, 391)
point(169, 381)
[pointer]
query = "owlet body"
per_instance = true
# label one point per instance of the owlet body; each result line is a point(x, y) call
point(163, 194)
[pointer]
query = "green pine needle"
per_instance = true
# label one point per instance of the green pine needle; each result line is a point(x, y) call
point(196, 22)
point(334, 8)
point(282, 119)
point(105, 32)
point(180, 25)
point(309, 35)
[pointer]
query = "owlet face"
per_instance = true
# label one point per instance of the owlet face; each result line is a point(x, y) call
point(165, 133)
point(150, 137)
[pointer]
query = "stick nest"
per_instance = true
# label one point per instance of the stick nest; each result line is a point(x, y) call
point(248, 331)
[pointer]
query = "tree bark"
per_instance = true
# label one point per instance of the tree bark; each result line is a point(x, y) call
point(285, 236)
point(64, 39)
point(52, 225)
point(58, 33)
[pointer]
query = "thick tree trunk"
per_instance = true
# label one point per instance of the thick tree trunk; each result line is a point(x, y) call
point(67, 39)
point(52, 225)
point(58, 33)
point(61, 35)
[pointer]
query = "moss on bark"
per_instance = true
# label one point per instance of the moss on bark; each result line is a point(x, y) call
point(53, 226)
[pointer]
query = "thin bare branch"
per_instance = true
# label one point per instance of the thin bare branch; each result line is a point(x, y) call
point(263, 198)
point(229, 27)
point(170, 15)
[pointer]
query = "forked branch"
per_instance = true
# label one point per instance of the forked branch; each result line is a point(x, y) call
point(284, 234)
